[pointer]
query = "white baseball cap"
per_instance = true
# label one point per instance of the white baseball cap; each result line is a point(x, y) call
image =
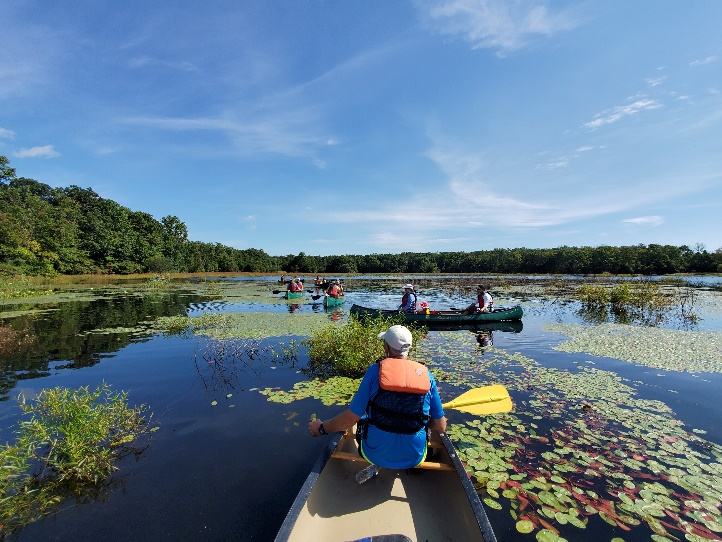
point(398, 337)
point(408, 286)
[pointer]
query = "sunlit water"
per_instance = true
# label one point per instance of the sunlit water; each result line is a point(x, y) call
point(230, 471)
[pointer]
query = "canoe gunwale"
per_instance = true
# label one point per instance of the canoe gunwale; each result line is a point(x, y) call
point(479, 513)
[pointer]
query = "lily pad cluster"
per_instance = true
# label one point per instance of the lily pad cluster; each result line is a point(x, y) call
point(671, 350)
point(579, 446)
point(337, 390)
point(248, 325)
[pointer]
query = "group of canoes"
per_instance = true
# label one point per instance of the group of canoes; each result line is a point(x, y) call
point(333, 295)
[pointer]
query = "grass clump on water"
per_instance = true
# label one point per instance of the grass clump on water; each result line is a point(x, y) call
point(349, 349)
point(66, 446)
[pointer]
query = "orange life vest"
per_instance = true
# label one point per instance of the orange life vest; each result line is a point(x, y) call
point(405, 375)
point(398, 406)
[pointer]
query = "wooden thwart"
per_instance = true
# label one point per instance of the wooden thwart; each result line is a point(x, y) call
point(431, 465)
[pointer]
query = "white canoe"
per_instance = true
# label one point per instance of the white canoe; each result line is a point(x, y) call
point(435, 501)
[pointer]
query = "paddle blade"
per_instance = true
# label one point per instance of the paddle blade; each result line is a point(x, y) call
point(487, 400)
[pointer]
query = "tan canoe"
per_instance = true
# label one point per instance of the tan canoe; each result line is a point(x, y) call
point(435, 501)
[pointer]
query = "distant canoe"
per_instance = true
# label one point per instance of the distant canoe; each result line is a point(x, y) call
point(330, 301)
point(445, 317)
point(294, 295)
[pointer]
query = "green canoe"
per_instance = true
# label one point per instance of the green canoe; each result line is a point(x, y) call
point(294, 295)
point(509, 314)
point(330, 301)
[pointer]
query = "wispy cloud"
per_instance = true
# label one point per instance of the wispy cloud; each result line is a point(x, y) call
point(46, 151)
point(7, 134)
point(284, 131)
point(656, 82)
point(143, 61)
point(653, 220)
point(619, 112)
point(704, 61)
point(506, 25)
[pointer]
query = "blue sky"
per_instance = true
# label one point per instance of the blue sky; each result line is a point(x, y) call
point(334, 127)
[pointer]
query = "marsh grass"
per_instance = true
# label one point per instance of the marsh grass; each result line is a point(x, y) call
point(158, 282)
point(348, 349)
point(67, 445)
point(21, 286)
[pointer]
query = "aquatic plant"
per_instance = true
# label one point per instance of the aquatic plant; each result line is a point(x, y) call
point(19, 287)
point(348, 349)
point(68, 444)
point(254, 325)
point(158, 282)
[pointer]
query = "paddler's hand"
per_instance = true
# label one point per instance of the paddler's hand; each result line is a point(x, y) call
point(313, 427)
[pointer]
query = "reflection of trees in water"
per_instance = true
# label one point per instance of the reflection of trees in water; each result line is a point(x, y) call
point(81, 332)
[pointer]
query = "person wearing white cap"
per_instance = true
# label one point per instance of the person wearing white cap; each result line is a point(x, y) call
point(394, 405)
point(408, 302)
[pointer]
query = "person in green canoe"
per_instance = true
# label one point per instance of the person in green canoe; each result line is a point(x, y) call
point(484, 302)
point(395, 404)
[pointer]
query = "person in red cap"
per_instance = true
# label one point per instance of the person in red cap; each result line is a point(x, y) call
point(395, 404)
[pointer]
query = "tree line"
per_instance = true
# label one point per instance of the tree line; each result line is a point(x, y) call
point(47, 231)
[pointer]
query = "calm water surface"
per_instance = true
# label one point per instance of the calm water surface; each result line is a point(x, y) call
point(231, 471)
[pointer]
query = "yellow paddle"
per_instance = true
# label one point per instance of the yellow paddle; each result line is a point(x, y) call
point(486, 400)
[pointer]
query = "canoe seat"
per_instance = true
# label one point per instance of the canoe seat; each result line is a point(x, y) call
point(354, 456)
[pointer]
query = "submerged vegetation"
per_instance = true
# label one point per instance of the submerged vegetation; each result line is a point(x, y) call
point(67, 446)
point(245, 325)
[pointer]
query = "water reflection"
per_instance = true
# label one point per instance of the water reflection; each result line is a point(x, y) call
point(485, 338)
point(81, 333)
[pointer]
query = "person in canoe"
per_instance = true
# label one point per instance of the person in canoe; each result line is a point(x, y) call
point(484, 302)
point(318, 281)
point(408, 301)
point(394, 406)
point(283, 279)
point(295, 285)
point(335, 290)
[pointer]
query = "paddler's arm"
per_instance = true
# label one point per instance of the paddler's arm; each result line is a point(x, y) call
point(438, 425)
point(343, 421)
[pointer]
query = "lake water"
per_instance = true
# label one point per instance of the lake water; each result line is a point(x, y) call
point(230, 470)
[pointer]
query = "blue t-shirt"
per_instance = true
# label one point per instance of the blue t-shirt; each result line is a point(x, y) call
point(392, 450)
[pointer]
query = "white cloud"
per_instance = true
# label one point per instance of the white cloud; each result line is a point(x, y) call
point(7, 134)
point(498, 24)
point(653, 220)
point(655, 82)
point(143, 61)
point(619, 112)
point(46, 151)
point(707, 60)
point(557, 164)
